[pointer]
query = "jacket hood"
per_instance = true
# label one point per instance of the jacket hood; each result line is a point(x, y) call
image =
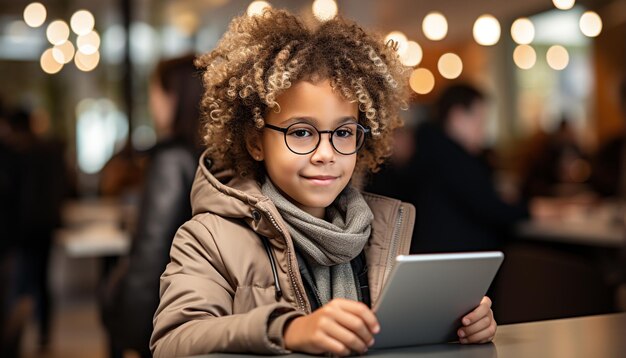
point(222, 192)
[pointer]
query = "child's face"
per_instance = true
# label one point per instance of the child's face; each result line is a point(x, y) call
point(311, 181)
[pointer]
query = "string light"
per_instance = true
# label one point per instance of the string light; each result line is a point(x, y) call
point(564, 4)
point(256, 8)
point(557, 57)
point(57, 32)
point(422, 81)
point(524, 57)
point(413, 54)
point(35, 14)
point(486, 30)
point(435, 26)
point(82, 22)
point(523, 31)
point(324, 10)
point(590, 24)
point(48, 63)
point(450, 66)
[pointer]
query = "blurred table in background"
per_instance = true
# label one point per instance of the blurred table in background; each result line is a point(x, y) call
point(599, 224)
point(96, 228)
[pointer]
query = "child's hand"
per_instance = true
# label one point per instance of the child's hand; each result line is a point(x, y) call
point(479, 326)
point(340, 327)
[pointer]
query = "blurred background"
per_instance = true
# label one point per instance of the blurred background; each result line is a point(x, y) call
point(514, 140)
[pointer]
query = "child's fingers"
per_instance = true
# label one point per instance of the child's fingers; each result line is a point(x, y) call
point(356, 325)
point(347, 338)
point(475, 327)
point(328, 344)
point(484, 336)
point(483, 309)
point(366, 314)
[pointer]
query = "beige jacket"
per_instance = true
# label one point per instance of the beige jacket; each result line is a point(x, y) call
point(219, 293)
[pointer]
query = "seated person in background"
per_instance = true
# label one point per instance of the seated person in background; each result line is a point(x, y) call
point(559, 168)
point(609, 164)
point(132, 294)
point(457, 204)
point(283, 252)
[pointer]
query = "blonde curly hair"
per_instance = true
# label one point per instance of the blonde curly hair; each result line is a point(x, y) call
point(260, 57)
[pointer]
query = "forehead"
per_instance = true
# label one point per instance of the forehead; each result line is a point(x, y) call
point(316, 100)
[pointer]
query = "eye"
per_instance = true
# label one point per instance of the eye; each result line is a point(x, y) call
point(300, 132)
point(344, 132)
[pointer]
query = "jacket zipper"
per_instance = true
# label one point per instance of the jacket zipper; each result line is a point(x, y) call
point(289, 267)
point(394, 242)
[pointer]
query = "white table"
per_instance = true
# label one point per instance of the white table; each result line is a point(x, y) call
point(92, 228)
point(597, 226)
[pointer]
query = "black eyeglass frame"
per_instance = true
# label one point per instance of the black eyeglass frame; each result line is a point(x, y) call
point(284, 130)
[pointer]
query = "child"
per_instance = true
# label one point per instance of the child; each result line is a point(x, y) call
point(283, 254)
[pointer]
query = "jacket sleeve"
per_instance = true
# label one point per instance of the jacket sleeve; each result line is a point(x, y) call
point(165, 206)
point(195, 313)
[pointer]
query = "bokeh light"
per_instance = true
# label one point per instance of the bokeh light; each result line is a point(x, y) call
point(324, 10)
point(422, 81)
point(590, 24)
point(256, 8)
point(48, 63)
point(523, 31)
point(435, 26)
point(57, 32)
point(82, 22)
point(89, 43)
point(85, 62)
point(35, 14)
point(413, 54)
point(64, 52)
point(524, 57)
point(557, 57)
point(450, 66)
point(563, 4)
point(400, 38)
point(486, 30)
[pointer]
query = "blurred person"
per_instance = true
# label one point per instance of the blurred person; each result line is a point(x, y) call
point(557, 166)
point(609, 163)
point(457, 204)
point(40, 190)
point(132, 295)
point(15, 308)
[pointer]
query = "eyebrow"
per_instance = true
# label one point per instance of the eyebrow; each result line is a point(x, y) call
point(311, 120)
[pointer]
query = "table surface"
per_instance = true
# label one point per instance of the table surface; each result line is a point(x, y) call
point(602, 336)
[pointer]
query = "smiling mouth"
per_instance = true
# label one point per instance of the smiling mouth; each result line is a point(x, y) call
point(321, 179)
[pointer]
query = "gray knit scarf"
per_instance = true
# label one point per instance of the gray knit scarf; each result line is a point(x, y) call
point(328, 246)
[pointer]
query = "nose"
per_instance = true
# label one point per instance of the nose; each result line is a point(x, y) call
point(324, 153)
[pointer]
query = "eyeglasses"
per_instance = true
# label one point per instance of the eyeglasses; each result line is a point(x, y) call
point(303, 138)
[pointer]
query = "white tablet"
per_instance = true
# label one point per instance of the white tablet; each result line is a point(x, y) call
point(426, 296)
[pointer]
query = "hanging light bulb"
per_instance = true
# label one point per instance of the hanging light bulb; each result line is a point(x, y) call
point(486, 30)
point(256, 7)
point(35, 14)
point(590, 24)
point(435, 26)
point(422, 81)
point(523, 31)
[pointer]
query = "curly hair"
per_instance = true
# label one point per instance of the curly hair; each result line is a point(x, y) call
point(259, 57)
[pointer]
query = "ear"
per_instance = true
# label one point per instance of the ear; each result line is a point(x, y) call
point(254, 145)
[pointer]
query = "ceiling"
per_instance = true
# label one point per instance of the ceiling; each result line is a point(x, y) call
point(381, 15)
